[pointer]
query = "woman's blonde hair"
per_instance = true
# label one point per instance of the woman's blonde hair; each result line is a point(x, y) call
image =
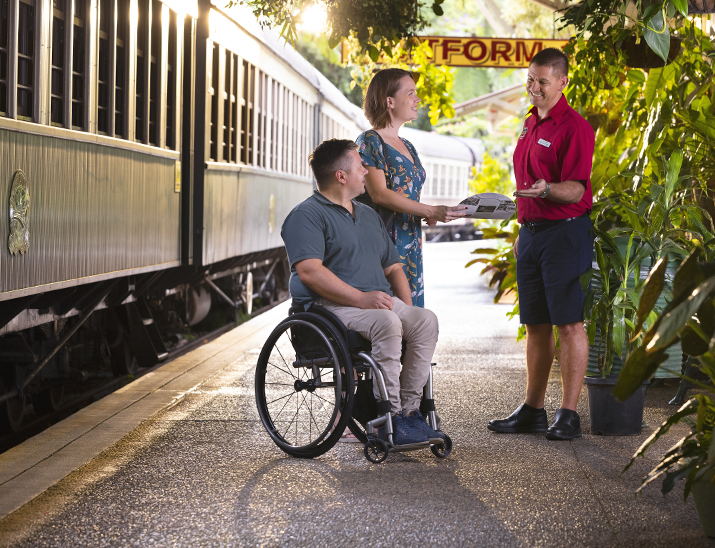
point(384, 84)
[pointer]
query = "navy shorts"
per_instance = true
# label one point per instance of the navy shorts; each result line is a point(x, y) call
point(548, 270)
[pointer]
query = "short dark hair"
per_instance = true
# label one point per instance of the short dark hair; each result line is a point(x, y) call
point(554, 58)
point(328, 157)
point(385, 83)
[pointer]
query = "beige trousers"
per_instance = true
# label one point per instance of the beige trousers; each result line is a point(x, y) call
point(386, 329)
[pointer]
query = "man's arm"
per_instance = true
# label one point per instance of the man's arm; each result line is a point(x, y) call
point(326, 284)
point(398, 283)
point(566, 192)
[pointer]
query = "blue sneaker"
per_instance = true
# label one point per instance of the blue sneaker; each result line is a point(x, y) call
point(419, 422)
point(406, 434)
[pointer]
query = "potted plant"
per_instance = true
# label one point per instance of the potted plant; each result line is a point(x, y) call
point(613, 302)
point(611, 305)
point(690, 318)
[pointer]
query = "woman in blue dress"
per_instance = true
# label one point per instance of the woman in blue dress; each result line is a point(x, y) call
point(395, 174)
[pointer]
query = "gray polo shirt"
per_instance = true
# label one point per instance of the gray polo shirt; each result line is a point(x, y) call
point(356, 249)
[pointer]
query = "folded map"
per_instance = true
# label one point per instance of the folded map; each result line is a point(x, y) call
point(489, 205)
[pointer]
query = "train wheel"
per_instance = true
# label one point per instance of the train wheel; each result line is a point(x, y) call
point(11, 411)
point(124, 362)
point(48, 401)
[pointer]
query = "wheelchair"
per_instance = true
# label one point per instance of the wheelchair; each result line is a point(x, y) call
point(314, 379)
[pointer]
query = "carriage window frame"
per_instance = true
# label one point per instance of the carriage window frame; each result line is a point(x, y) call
point(58, 62)
point(27, 37)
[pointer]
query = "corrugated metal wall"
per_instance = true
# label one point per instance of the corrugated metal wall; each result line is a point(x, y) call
point(94, 210)
point(237, 211)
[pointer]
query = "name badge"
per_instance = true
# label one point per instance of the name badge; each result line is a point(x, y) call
point(544, 143)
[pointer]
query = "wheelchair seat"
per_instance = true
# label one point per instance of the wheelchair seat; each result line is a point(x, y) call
point(356, 342)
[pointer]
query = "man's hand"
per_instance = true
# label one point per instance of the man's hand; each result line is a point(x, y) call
point(565, 192)
point(533, 192)
point(375, 300)
point(516, 247)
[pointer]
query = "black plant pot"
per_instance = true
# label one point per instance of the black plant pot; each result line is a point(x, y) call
point(610, 417)
point(641, 56)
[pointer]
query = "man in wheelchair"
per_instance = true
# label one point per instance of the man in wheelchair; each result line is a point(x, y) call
point(342, 259)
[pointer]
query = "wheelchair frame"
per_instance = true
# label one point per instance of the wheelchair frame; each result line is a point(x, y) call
point(320, 342)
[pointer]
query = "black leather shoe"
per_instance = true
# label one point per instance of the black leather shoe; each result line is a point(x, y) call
point(567, 426)
point(525, 420)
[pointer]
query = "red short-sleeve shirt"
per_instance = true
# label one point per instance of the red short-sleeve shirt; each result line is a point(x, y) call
point(558, 148)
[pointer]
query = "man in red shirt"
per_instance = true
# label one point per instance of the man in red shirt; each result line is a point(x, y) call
point(552, 165)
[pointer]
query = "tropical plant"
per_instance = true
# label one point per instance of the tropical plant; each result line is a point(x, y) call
point(661, 221)
point(434, 83)
point(647, 18)
point(690, 319)
point(373, 23)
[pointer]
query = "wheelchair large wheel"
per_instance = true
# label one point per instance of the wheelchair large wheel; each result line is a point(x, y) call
point(304, 385)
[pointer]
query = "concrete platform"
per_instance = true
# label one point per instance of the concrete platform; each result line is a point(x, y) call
point(180, 458)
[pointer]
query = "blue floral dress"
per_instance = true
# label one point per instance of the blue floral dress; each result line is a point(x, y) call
point(408, 179)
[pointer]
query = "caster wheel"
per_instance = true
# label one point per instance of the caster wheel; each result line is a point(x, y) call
point(376, 450)
point(443, 449)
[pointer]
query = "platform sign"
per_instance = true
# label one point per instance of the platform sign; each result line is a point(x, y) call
point(471, 51)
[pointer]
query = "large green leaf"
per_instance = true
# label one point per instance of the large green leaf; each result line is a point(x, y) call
point(692, 343)
point(671, 175)
point(692, 213)
point(681, 6)
point(688, 276)
point(619, 330)
point(658, 78)
point(639, 367)
point(657, 35)
point(676, 319)
point(654, 285)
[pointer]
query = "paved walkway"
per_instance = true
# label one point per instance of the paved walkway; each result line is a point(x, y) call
point(186, 462)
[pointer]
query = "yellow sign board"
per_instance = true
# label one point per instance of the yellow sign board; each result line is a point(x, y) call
point(471, 51)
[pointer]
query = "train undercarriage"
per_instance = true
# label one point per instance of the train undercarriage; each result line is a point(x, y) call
point(57, 344)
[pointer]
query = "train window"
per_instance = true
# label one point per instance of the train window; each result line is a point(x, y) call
point(154, 58)
point(285, 113)
point(171, 81)
point(120, 78)
point(78, 64)
point(4, 7)
point(57, 79)
point(275, 87)
point(261, 125)
point(247, 106)
point(214, 91)
point(142, 70)
point(228, 99)
point(26, 60)
point(294, 134)
point(234, 107)
point(106, 13)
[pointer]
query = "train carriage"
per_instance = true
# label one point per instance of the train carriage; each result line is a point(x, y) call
point(152, 150)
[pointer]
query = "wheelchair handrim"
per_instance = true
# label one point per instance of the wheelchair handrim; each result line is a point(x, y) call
point(264, 413)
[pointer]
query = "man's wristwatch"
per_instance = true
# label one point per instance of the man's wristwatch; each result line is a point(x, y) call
point(545, 193)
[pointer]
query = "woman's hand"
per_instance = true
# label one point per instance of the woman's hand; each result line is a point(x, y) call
point(445, 214)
